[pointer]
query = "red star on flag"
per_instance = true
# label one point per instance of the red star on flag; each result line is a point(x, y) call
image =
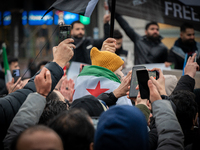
point(97, 91)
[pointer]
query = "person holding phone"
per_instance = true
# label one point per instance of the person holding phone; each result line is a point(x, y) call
point(162, 113)
point(14, 66)
point(84, 44)
point(11, 103)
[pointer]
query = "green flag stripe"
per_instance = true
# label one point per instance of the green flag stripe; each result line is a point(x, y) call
point(5, 59)
point(99, 72)
point(8, 76)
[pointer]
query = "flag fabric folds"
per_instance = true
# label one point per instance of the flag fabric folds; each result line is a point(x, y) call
point(94, 80)
point(8, 76)
point(82, 7)
point(173, 12)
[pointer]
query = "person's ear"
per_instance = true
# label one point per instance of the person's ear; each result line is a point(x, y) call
point(145, 32)
point(181, 35)
point(91, 145)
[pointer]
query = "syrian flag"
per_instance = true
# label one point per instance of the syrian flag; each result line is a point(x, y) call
point(8, 76)
point(94, 80)
point(81, 7)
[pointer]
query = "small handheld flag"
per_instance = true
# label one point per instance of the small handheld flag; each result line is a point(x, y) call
point(8, 76)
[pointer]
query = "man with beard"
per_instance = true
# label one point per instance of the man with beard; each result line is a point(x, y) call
point(184, 45)
point(147, 48)
point(84, 44)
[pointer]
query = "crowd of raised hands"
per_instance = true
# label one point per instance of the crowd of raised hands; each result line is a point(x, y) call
point(167, 132)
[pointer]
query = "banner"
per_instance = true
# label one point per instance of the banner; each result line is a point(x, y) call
point(173, 12)
point(81, 7)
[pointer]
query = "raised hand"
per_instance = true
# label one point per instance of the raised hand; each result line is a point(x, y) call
point(154, 94)
point(191, 66)
point(63, 52)
point(160, 82)
point(109, 45)
point(43, 82)
point(12, 87)
point(124, 87)
point(67, 89)
point(106, 18)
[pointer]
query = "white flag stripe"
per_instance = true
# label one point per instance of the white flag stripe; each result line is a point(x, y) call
point(90, 7)
point(90, 82)
point(8, 77)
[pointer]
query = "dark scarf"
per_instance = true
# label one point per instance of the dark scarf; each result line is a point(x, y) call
point(118, 51)
point(76, 40)
point(185, 47)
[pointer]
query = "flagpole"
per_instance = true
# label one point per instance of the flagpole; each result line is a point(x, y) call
point(112, 18)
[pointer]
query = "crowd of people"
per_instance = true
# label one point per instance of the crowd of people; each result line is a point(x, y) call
point(49, 111)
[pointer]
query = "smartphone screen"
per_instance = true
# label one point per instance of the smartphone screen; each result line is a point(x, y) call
point(154, 74)
point(134, 82)
point(16, 74)
point(143, 77)
point(65, 32)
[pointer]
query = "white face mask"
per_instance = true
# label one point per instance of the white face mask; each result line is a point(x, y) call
point(119, 73)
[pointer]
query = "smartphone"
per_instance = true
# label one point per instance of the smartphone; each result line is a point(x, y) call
point(143, 77)
point(134, 82)
point(16, 74)
point(154, 74)
point(65, 32)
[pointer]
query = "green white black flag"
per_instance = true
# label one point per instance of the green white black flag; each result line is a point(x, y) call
point(8, 76)
point(95, 80)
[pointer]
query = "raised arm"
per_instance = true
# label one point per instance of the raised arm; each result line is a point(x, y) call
point(130, 32)
point(187, 81)
point(170, 135)
point(31, 110)
point(10, 104)
point(106, 27)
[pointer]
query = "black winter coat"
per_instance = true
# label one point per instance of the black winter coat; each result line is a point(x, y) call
point(10, 104)
point(3, 89)
point(84, 46)
point(145, 50)
point(178, 51)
